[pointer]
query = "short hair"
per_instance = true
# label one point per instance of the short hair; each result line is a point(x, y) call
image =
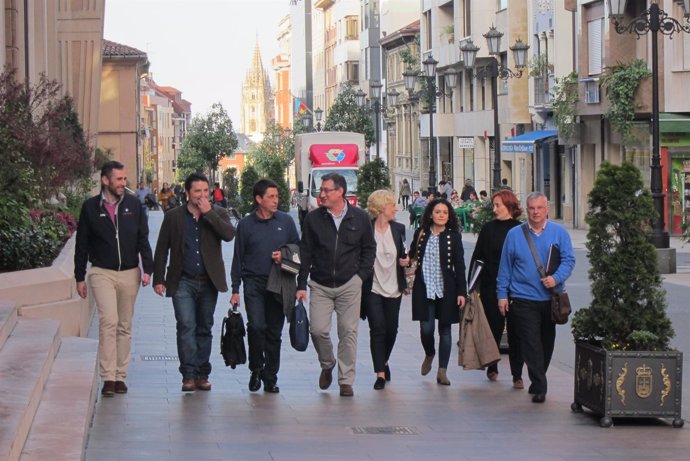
point(378, 200)
point(427, 220)
point(482, 193)
point(194, 177)
point(261, 186)
point(510, 201)
point(217, 184)
point(338, 181)
point(108, 167)
point(442, 183)
point(535, 195)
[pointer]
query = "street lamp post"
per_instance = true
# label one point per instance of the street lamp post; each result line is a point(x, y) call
point(376, 99)
point(653, 20)
point(494, 70)
point(318, 114)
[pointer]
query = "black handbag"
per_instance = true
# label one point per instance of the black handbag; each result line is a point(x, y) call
point(299, 328)
point(560, 302)
point(232, 339)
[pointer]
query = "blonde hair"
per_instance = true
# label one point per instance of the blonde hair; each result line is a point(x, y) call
point(378, 200)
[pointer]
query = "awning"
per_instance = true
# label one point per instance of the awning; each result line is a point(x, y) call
point(674, 123)
point(524, 143)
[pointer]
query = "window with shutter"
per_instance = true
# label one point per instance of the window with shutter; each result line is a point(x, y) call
point(595, 49)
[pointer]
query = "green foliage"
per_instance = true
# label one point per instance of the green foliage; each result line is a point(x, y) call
point(247, 180)
point(482, 215)
point(190, 161)
point(539, 66)
point(410, 54)
point(372, 176)
point(565, 101)
point(278, 145)
point(210, 137)
point(346, 115)
point(275, 171)
point(628, 309)
point(231, 184)
point(620, 83)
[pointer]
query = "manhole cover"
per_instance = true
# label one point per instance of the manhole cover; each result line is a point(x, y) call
point(160, 358)
point(385, 430)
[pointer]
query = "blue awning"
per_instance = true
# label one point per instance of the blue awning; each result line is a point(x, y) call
point(524, 143)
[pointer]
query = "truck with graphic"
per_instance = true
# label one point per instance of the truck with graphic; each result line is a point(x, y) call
point(320, 153)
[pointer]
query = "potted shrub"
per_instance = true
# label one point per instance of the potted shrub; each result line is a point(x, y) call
point(624, 366)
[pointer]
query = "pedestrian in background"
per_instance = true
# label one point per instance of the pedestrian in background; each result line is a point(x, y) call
point(337, 251)
point(382, 291)
point(523, 292)
point(259, 237)
point(506, 208)
point(191, 237)
point(405, 193)
point(440, 286)
point(113, 234)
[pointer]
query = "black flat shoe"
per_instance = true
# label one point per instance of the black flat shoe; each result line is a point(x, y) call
point(272, 388)
point(254, 381)
point(380, 383)
point(538, 398)
point(387, 372)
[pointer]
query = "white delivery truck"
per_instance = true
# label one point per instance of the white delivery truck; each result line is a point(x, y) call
point(320, 153)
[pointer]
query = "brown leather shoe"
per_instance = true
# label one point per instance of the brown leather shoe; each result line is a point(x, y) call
point(492, 375)
point(188, 385)
point(108, 389)
point(202, 384)
point(326, 378)
point(426, 364)
point(120, 387)
point(346, 390)
point(518, 384)
point(442, 377)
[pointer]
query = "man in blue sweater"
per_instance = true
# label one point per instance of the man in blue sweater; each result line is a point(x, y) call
point(259, 237)
point(526, 295)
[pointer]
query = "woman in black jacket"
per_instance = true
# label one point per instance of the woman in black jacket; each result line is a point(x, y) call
point(488, 250)
point(382, 292)
point(440, 287)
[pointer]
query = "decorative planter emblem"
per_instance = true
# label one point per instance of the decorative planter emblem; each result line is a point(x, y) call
point(643, 381)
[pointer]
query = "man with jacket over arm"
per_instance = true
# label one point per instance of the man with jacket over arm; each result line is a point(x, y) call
point(113, 234)
point(191, 235)
point(337, 252)
point(521, 289)
point(259, 237)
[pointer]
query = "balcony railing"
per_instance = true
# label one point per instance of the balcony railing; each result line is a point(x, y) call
point(543, 90)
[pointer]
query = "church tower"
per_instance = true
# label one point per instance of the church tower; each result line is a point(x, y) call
point(257, 99)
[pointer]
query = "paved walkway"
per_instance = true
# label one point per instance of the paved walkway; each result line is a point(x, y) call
point(412, 419)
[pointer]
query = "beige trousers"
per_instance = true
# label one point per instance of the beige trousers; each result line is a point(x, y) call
point(115, 293)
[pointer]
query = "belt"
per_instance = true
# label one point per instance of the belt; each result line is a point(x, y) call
point(196, 277)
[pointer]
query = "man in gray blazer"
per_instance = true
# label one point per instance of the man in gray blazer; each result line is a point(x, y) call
point(191, 235)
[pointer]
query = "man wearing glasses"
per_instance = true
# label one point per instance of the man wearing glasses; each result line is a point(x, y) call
point(337, 250)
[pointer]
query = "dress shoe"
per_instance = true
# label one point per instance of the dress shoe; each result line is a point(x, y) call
point(346, 390)
point(492, 375)
point(326, 378)
point(380, 383)
point(271, 388)
point(538, 398)
point(518, 384)
point(387, 372)
point(188, 385)
point(203, 384)
point(426, 364)
point(120, 387)
point(255, 381)
point(442, 378)
point(108, 389)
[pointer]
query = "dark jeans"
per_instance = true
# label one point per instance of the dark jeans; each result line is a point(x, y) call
point(405, 200)
point(383, 314)
point(427, 335)
point(497, 322)
point(194, 303)
point(265, 320)
point(537, 336)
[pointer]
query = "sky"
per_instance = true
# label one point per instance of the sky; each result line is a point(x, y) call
point(201, 47)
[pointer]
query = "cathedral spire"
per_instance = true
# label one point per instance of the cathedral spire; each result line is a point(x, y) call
point(257, 98)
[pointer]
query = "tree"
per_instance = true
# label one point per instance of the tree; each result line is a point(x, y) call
point(189, 161)
point(211, 137)
point(628, 308)
point(278, 145)
point(247, 180)
point(372, 176)
point(231, 184)
point(346, 115)
point(276, 171)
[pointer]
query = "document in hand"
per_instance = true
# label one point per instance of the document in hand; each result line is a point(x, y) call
point(554, 260)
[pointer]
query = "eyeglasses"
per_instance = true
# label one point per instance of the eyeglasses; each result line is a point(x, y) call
point(326, 190)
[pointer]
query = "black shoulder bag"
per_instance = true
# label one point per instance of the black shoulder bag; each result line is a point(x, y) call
point(560, 302)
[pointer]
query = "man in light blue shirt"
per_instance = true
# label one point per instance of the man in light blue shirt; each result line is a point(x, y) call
point(525, 295)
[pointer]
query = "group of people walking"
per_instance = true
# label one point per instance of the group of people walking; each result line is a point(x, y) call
point(353, 262)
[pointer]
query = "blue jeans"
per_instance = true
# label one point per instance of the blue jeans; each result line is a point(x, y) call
point(265, 320)
point(427, 335)
point(194, 303)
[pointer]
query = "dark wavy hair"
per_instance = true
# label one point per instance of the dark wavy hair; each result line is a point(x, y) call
point(427, 220)
point(510, 201)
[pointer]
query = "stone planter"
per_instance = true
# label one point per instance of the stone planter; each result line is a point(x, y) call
point(632, 384)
